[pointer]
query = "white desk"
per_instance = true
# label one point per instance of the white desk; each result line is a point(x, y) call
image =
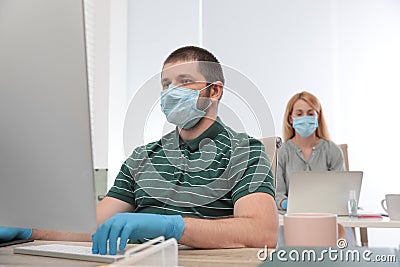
point(368, 223)
point(362, 225)
point(186, 256)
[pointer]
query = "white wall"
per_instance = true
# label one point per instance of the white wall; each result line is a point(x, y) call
point(144, 33)
point(100, 81)
point(118, 84)
point(368, 63)
point(345, 52)
point(277, 44)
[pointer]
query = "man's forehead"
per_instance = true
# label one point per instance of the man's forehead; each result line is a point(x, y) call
point(181, 68)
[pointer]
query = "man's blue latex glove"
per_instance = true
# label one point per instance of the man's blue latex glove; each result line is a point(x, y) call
point(9, 233)
point(135, 226)
point(284, 204)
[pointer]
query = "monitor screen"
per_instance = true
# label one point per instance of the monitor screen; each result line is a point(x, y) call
point(46, 167)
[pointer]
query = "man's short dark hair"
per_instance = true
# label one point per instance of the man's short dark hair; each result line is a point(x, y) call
point(212, 72)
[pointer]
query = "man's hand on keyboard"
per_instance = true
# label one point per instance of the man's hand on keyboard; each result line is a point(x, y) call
point(135, 226)
point(9, 233)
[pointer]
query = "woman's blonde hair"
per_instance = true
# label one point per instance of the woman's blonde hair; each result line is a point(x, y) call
point(288, 131)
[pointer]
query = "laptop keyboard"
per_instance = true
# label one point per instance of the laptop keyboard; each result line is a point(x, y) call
point(68, 252)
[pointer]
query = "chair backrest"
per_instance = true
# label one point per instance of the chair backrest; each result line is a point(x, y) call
point(271, 145)
point(343, 147)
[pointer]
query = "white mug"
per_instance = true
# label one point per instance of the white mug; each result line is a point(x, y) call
point(391, 204)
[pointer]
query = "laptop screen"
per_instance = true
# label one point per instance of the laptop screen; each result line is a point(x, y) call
point(326, 192)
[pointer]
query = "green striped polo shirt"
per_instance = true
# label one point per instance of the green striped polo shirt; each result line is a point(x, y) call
point(200, 178)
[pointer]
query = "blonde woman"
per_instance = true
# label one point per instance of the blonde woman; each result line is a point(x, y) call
point(306, 146)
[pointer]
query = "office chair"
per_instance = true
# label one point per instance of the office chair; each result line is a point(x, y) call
point(343, 147)
point(272, 144)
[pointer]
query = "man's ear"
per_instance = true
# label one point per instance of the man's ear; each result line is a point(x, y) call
point(216, 90)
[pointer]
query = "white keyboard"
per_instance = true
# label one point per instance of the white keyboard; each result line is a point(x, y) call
point(68, 252)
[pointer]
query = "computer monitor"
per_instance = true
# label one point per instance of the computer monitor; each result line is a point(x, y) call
point(46, 168)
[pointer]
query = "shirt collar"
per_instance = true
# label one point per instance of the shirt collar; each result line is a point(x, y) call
point(316, 147)
point(210, 133)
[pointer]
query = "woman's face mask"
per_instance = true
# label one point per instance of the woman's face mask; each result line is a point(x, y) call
point(305, 125)
point(180, 106)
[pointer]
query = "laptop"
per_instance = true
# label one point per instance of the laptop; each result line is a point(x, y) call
point(323, 192)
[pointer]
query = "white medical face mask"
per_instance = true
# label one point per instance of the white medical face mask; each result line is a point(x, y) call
point(305, 125)
point(180, 106)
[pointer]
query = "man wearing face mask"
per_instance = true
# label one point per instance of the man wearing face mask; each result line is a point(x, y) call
point(203, 183)
point(307, 146)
